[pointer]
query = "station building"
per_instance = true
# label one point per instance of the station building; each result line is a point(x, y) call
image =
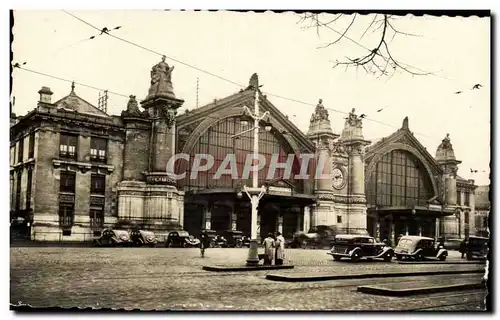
point(74, 169)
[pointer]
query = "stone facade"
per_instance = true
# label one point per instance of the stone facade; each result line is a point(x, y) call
point(139, 192)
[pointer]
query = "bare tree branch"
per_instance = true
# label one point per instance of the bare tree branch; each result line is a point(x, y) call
point(342, 35)
point(378, 60)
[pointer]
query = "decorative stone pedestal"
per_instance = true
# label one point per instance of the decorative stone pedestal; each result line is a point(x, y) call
point(155, 207)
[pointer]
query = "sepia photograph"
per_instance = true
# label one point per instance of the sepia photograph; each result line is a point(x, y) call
point(250, 160)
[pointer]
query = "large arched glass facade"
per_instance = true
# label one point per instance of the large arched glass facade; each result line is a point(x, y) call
point(218, 142)
point(399, 180)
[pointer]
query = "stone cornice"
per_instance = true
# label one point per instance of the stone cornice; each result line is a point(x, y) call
point(83, 167)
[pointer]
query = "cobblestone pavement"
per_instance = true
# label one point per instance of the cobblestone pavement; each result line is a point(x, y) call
point(160, 278)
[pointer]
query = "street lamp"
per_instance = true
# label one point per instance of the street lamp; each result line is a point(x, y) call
point(254, 193)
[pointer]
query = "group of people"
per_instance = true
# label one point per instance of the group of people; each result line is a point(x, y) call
point(274, 249)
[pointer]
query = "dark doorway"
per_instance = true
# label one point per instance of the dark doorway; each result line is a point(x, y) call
point(193, 218)
point(221, 218)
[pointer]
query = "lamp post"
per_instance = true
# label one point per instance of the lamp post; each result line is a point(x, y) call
point(254, 193)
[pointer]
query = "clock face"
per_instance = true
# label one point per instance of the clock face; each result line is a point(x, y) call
point(338, 178)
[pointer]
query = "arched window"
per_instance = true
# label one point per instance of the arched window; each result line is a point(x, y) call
point(218, 142)
point(399, 180)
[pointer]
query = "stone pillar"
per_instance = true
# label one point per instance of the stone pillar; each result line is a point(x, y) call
point(280, 223)
point(233, 224)
point(207, 217)
point(307, 219)
point(354, 143)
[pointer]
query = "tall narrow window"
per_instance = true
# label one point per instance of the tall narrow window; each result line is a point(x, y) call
point(31, 150)
point(97, 184)
point(20, 152)
point(67, 146)
point(98, 148)
point(467, 199)
point(28, 189)
point(18, 190)
point(459, 198)
point(67, 198)
point(97, 200)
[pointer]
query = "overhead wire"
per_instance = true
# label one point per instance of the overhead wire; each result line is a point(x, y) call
point(219, 77)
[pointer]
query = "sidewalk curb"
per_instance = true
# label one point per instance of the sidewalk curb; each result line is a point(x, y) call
point(245, 268)
point(292, 278)
point(442, 262)
point(424, 290)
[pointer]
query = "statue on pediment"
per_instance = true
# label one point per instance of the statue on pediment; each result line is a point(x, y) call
point(446, 143)
point(161, 79)
point(320, 113)
point(352, 120)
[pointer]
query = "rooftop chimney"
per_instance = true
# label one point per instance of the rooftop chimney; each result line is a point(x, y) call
point(45, 95)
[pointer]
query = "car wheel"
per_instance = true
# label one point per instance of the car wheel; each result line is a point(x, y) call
point(355, 256)
point(442, 257)
point(388, 257)
point(304, 244)
point(337, 258)
point(419, 257)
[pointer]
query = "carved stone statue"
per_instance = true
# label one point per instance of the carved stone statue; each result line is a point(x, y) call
point(352, 120)
point(161, 80)
point(167, 114)
point(320, 113)
point(446, 143)
point(133, 106)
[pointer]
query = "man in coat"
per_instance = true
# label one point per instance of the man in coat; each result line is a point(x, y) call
point(280, 248)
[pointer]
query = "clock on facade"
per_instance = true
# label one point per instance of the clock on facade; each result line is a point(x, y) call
point(338, 178)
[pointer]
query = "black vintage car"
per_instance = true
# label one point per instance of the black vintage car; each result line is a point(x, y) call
point(419, 248)
point(113, 237)
point(181, 239)
point(234, 239)
point(476, 248)
point(356, 247)
point(143, 238)
point(317, 237)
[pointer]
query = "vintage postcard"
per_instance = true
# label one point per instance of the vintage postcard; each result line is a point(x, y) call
point(250, 160)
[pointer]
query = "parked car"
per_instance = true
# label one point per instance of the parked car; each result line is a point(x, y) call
point(318, 236)
point(113, 237)
point(477, 248)
point(218, 242)
point(181, 239)
point(234, 238)
point(419, 248)
point(356, 247)
point(245, 241)
point(452, 243)
point(143, 237)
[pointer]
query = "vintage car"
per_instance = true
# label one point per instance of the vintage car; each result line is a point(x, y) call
point(181, 239)
point(143, 238)
point(234, 239)
point(476, 248)
point(419, 248)
point(113, 237)
point(356, 247)
point(318, 236)
point(452, 243)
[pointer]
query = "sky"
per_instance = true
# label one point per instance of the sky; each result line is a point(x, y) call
point(285, 55)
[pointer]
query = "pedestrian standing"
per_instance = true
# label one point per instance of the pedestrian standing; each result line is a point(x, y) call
point(462, 248)
point(204, 243)
point(280, 249)
point(268, 249)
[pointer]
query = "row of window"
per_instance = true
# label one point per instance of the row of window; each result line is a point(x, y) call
point(67, 199)
point(466, 198)
point(17, 194)
point(68, 146)
point(31, 148)
point(399, 181)
point(219, 142)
